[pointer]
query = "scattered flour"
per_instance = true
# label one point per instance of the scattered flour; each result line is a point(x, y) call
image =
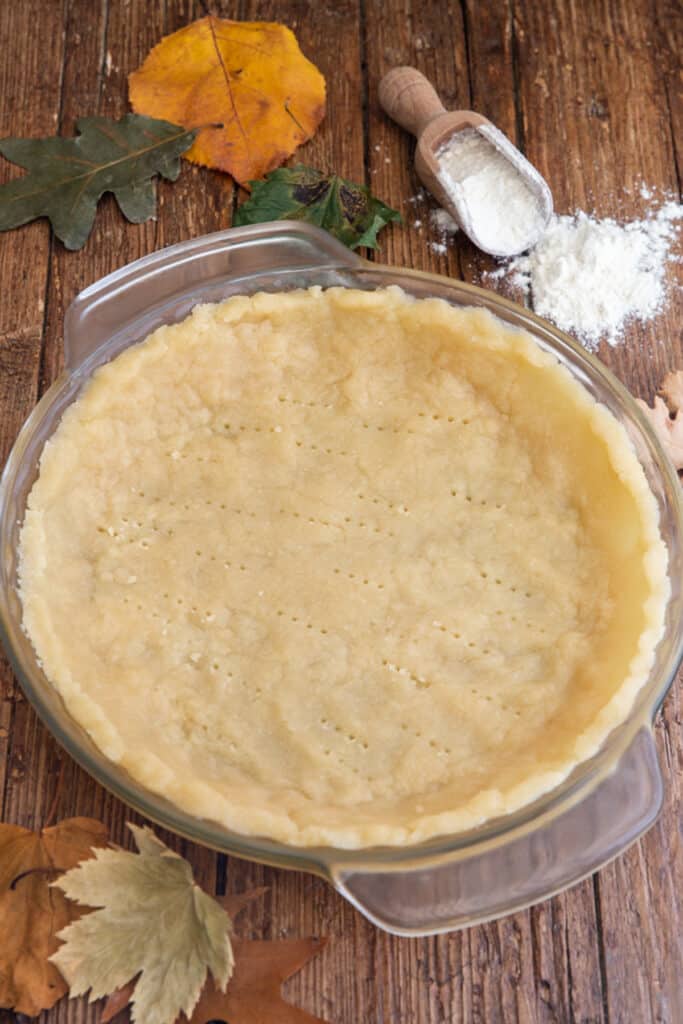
point(492, 198)
point(444, 227)
point(443, 223)
point(591, 277)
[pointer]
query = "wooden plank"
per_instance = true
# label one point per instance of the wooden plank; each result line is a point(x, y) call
point(34, 756)
point(669, 31)
point(112, 41)
point(199, 202)
point(596, 122)
point(516, 970)
point(431, 37)
point(491, 58)
point(600, 95)
point(30, 87)
point(6, 707)
point(567, 957)
point(103, 44)
point(640, 898)
point(338, 984)
point(559, 966)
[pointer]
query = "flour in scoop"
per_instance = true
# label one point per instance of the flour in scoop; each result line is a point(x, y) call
point(592, 277)
point(502, 209)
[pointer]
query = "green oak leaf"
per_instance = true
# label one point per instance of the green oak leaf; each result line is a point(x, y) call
point(348, 211)
point(67, 177)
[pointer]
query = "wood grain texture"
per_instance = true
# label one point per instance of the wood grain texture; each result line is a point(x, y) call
point(609, 106)
point(591, 92)
point(30, 91)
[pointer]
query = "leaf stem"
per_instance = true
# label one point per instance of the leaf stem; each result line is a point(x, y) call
point(228, 84)
point(35, 871)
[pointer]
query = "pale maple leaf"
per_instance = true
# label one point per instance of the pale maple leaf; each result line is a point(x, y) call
point(153, 921)
point(672, 389)
point(669, 429)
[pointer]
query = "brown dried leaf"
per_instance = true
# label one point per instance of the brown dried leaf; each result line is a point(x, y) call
point(31, 913)
point(253, 995)
point(235, 902)
point(668, 429)
point(117, 1002)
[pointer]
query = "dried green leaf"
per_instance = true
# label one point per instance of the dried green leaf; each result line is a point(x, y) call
point(68, 176)
point(348, 211)
point(153, 921)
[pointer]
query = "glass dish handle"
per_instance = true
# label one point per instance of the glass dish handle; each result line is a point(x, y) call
point(163, 287)
point(524, 869)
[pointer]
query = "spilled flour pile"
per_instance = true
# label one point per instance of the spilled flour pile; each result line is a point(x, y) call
point(592, 277)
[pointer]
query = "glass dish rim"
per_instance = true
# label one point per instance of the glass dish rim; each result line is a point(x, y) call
point(322, 860)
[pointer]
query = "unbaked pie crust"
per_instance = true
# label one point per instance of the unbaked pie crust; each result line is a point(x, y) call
point(342, 567)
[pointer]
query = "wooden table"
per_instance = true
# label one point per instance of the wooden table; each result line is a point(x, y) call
point(588, 90)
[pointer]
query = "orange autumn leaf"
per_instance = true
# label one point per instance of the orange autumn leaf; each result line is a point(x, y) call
point(249, 77)
point(31, 912)
point(253, 994)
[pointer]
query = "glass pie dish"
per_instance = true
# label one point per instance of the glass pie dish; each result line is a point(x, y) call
point(453, 880)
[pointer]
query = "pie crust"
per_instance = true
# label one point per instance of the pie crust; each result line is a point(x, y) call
point(342, 567)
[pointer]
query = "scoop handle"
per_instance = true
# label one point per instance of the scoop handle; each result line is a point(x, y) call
point(409, 99)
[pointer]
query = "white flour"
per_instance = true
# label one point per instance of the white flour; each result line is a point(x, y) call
point(591, 277)
point(445, 227)
point(443, 223)
point(486, 186)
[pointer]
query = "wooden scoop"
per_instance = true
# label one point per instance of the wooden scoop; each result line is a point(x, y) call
point(411, 100)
